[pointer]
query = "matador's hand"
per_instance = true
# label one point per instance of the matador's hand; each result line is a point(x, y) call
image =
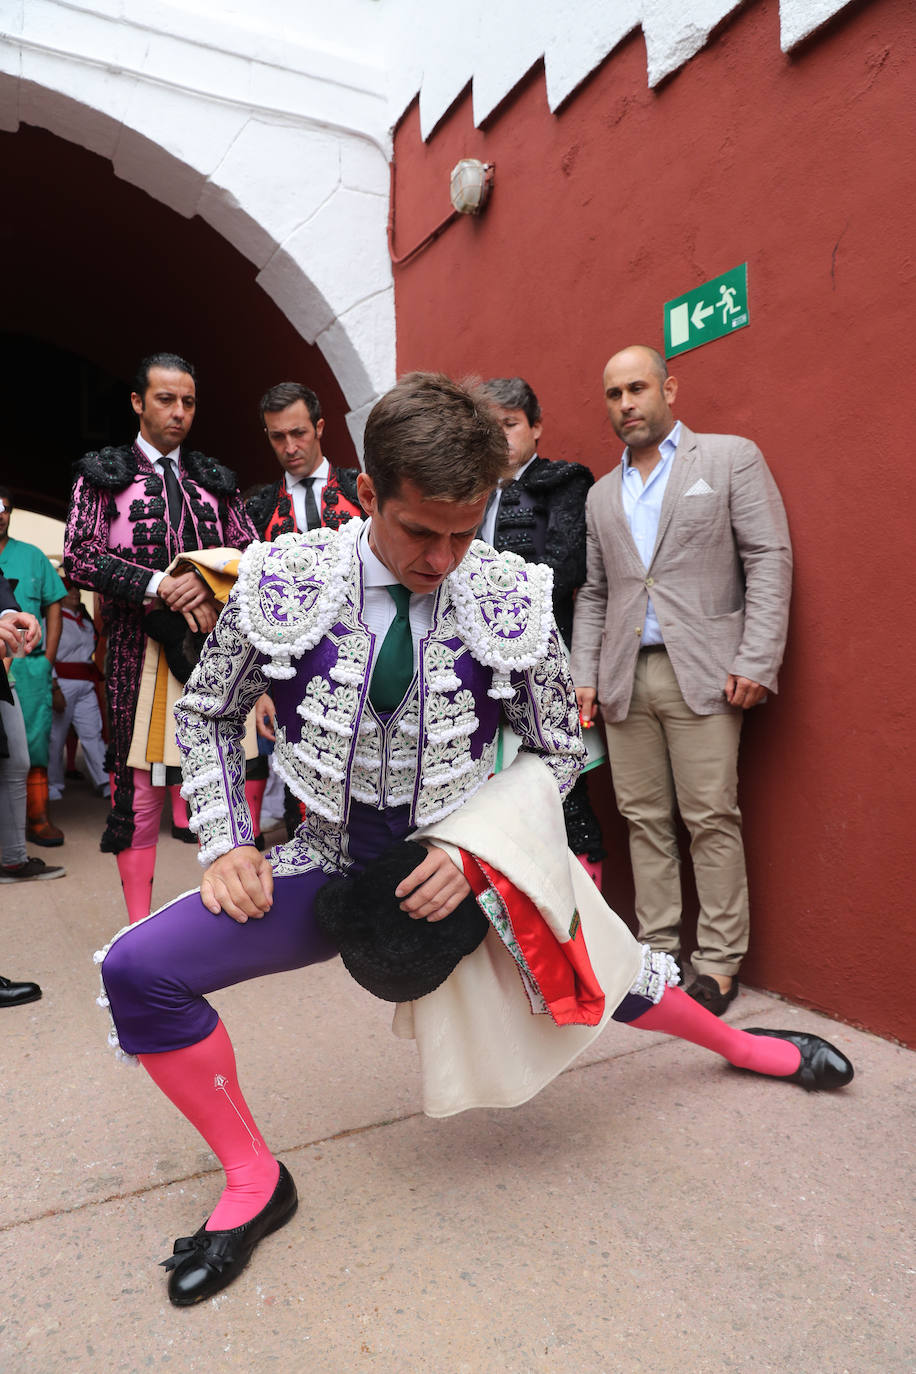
point(189, 594)
point(434, 888)
point(241, 883)
point(265, 715)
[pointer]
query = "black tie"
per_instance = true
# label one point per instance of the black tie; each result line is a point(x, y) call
point(312, 518)
point(174, 497)
point(494, 498)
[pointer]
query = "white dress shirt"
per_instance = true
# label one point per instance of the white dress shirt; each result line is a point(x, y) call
point(379, 609)
point(158, 460)
point(642, 505)
point(296, 487)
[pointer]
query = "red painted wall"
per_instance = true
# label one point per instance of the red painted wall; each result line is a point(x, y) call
point(805, 167)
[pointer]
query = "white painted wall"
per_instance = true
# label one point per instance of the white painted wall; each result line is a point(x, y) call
point(271, 119)
point(437, 48)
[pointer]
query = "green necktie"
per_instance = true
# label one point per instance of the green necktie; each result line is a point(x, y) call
point(393, 671)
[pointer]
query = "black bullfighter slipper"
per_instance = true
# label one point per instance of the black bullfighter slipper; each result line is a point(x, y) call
point(209, 1261)
point(823, 1067)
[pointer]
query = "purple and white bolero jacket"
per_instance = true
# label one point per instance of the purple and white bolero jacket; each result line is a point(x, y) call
point(293, 626)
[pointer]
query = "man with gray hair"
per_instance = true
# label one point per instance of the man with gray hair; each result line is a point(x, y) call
point(679, 629)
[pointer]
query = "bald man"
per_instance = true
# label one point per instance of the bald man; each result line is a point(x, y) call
point(679, 629)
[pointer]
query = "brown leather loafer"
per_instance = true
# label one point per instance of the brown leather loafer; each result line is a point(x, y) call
point(44, 832)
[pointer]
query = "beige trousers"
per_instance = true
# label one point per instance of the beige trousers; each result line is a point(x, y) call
point(662, 754)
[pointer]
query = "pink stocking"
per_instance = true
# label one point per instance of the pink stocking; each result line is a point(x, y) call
point(677, 1014)
point(593, 867)
point(254, 795)
point(179, 807)
point(201, 1081)
point(136, 867)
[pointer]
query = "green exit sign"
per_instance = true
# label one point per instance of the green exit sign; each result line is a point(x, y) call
point(717, 307)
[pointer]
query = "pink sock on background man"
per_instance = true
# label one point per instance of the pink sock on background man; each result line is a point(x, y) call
point(136, 867)
point(254, 796)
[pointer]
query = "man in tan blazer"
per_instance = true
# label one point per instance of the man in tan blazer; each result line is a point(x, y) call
point(679, 629)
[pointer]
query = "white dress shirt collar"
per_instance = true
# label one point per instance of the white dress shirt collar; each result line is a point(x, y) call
point(524, 468)
point(153, 453)
point(375, 574)
point(322, 472)
point(378, 605)
point(488, 523)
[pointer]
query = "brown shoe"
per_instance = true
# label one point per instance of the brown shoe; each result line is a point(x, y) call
point(39, 830)
point(43, 832)
point(707, 992)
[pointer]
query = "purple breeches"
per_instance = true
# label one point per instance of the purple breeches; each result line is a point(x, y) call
point(157, 974)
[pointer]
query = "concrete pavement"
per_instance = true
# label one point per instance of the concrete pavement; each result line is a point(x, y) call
point(651, 1211)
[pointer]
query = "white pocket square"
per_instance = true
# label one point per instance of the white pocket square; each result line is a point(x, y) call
point(700, 488)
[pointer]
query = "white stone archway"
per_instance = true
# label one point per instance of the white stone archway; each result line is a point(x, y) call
point(271, 118)
point(284, 153)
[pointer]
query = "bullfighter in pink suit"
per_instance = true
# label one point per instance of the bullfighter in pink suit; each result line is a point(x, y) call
point(132, 510)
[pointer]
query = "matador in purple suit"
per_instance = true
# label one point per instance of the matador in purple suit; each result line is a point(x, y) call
point(133, 509)
point(393, 649)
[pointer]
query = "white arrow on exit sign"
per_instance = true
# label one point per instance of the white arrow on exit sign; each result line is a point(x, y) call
point(690, 321)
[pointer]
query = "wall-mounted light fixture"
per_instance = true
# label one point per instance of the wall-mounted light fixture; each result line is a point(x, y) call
point(469, 189)
point(469, 185)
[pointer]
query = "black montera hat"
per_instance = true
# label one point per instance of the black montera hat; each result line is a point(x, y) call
point(389, 953)
point(182, 647)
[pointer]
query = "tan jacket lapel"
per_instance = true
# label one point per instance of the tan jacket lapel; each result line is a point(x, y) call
point(681, 466)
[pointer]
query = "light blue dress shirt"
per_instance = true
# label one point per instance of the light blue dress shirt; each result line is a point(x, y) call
point(642, 505)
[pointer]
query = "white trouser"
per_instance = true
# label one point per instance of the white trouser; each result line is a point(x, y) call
point(82, 712)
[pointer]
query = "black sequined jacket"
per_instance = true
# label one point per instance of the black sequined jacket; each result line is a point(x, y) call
point(541, 516)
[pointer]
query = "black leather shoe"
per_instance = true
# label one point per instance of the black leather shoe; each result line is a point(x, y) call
point(209, 1261)
point(15, 994)
point(705, 990)
point(823, 1067)
point(181, 832)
